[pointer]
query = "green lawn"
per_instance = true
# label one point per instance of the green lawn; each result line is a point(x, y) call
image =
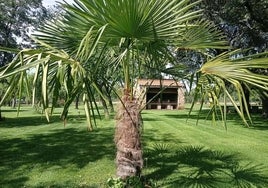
point(177, 153)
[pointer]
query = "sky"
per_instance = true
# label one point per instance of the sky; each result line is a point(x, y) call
point(47, 3)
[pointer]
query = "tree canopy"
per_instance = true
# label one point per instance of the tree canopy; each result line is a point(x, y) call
point(17, 19)
point(245, 24)
point(244, 21)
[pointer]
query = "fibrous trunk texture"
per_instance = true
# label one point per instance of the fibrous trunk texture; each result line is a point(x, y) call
point(128, 139)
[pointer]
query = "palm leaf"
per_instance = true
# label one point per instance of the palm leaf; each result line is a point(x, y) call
point(35, 83)
point(226, 68)
point(201, 35)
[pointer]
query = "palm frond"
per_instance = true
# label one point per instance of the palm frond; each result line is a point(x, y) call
point(53, 69)
point(236, 70)
point(201, 35)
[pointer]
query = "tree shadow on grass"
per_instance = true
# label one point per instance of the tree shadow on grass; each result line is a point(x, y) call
point(195, 166)
point(259, 123)
point(23, 122)
point(39, 120)
point(61, 147)
point(11, 110)
point(195, 114)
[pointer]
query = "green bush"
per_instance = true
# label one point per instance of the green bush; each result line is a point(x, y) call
point(131, 182)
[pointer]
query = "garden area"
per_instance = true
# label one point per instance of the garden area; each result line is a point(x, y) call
point(74, 61)
point(176, 151)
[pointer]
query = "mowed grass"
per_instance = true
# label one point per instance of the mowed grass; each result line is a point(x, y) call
point(34, 153)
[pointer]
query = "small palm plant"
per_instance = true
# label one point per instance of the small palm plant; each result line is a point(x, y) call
point(128, 35)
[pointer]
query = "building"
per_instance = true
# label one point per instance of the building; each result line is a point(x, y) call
point(161, 94)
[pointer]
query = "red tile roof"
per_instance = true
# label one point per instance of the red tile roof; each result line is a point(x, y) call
point(158, 83)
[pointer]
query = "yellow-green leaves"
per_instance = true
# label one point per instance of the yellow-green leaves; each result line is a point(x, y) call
point(234, 70)
point(234, 66)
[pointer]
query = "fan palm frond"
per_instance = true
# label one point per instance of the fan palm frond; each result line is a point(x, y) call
point(231, 68)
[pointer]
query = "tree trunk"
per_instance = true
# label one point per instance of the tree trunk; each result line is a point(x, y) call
point(0, 115)
point(111, 104)
point(265, 106)
point(128, 138)
point(77, 102)
point(13, 102)
point(0, 111)
point(105, 108)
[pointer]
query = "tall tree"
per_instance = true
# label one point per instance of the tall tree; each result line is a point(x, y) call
point(243, 21)
point(245, 24)
point(129, 35)
point(17, 19)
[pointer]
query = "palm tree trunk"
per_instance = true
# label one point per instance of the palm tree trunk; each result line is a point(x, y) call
point(128, 138)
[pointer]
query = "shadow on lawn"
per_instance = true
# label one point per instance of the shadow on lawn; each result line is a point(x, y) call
point(195, 166)
point(61, 148)
point(259, 123)
point(38, 120)
point(25, 121)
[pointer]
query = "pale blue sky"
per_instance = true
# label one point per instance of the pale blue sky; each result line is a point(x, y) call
point(53, 2)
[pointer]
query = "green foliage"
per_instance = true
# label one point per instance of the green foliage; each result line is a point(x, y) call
point(82, 45)
point(244, 22)
point(115, 183)
point(245, 25)
point(131, 182)
point(75, 51)
point(15, 21)
point(79, 49)
point(225, 70)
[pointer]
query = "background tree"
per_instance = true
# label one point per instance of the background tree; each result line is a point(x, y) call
point(244, 21)
point(245, 24)
point(17, 20)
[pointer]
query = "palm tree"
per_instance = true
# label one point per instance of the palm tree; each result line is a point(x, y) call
point(128, 34)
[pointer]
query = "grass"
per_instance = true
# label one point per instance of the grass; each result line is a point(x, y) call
point(177, 153)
